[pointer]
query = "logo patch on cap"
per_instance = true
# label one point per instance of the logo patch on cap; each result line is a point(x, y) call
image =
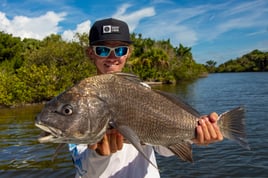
point(110, 29)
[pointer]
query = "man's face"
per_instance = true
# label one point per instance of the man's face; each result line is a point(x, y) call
point(111, 62)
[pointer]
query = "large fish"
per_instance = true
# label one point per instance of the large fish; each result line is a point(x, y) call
point(83, 113)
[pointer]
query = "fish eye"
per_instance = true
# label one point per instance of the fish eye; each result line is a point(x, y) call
point(67, 110)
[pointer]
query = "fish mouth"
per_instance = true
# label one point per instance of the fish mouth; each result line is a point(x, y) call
point(50, 134)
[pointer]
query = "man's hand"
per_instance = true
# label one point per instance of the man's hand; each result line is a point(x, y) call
point(111, 143)
point(208, 130)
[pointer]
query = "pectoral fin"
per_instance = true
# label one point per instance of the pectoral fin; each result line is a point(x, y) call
point(133, 138)
point(182, 150)
point(58, 149)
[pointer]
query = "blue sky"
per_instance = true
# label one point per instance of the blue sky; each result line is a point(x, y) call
point(215, 29)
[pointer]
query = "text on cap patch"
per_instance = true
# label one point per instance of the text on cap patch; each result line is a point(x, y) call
point(110, 29)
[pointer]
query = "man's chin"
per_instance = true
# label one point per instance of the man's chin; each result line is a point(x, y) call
point(112, 69)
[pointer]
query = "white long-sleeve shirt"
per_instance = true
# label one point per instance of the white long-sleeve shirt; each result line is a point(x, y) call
point(127, 162)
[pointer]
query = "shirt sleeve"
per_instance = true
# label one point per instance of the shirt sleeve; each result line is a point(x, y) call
point(77, 157)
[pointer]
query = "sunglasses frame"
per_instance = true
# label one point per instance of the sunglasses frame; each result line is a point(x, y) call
point(111, 49)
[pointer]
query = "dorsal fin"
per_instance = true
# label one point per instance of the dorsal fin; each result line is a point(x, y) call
point(178, 101)
point(131, 77)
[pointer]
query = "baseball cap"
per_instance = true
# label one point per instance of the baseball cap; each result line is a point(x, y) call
point(109, 30)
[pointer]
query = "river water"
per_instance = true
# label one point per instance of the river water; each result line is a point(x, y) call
point(22, 156)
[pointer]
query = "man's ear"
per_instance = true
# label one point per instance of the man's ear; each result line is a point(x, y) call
point(90, 52)
point(130, 51)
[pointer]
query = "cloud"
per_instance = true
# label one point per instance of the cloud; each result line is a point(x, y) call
point(80, 28)
point(132, 19)
point(135, 17)
point(236, 16)
point(164, 30)
point(156, 27)
point(193, 25)
point(171, 25)
point(42, 26)
point(36, 27)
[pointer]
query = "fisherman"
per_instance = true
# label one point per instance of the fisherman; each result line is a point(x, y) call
point(110, 47)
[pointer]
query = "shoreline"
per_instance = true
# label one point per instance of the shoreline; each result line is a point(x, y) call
point(17, 105)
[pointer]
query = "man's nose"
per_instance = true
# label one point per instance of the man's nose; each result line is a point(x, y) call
point(112, 55)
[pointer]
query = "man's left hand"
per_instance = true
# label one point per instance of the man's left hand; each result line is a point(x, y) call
point(207, 130)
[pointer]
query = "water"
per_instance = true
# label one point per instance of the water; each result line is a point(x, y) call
point(220, 92)
point(22, 156)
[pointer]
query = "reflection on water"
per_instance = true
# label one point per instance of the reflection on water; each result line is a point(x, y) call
point(22, 156)
point(220, 92)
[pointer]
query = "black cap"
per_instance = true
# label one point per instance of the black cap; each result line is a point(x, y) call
point(109, 30)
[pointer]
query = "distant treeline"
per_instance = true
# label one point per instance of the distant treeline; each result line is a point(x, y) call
point(255, 61)
point(36, 70)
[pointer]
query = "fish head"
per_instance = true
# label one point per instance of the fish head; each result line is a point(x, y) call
point(75, 116)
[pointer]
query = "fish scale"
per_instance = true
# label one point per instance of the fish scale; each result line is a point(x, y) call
point(84, 112)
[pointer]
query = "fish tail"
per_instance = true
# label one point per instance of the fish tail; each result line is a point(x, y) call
point(232, 126)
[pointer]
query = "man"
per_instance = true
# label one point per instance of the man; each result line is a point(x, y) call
point(110, 47)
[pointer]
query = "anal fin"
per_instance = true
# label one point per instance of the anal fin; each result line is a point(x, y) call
point(58, 149)
point(182, 150)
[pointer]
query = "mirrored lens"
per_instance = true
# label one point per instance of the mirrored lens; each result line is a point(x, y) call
point(104, 51)
point(121, 51)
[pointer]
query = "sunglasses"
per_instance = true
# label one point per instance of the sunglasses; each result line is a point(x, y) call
point(105, 51)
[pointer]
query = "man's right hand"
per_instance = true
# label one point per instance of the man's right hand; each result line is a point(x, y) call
point(111, 143)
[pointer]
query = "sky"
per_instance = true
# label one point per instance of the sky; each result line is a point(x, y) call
point(215, 30)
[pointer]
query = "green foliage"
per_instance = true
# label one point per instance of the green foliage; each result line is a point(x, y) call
point(42, 70)
point(211, 66)
point(188, 70)
point(160, 61)
point(10, 47)
point(152, 65)
point(67, 57)
point(38, 83)
point(37, 70)
point(184, 67)
point(255, 61)
point(6, 87)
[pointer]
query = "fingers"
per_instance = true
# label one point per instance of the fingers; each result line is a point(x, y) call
point(112, 137)
point(116, 140)
point(213, 117)
point(119, 141)
point(111, 143)
point(93, 147)
point(200, 136)
point(103, 147)
point(203, 132)
point(208, 130)
point(218, 133)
